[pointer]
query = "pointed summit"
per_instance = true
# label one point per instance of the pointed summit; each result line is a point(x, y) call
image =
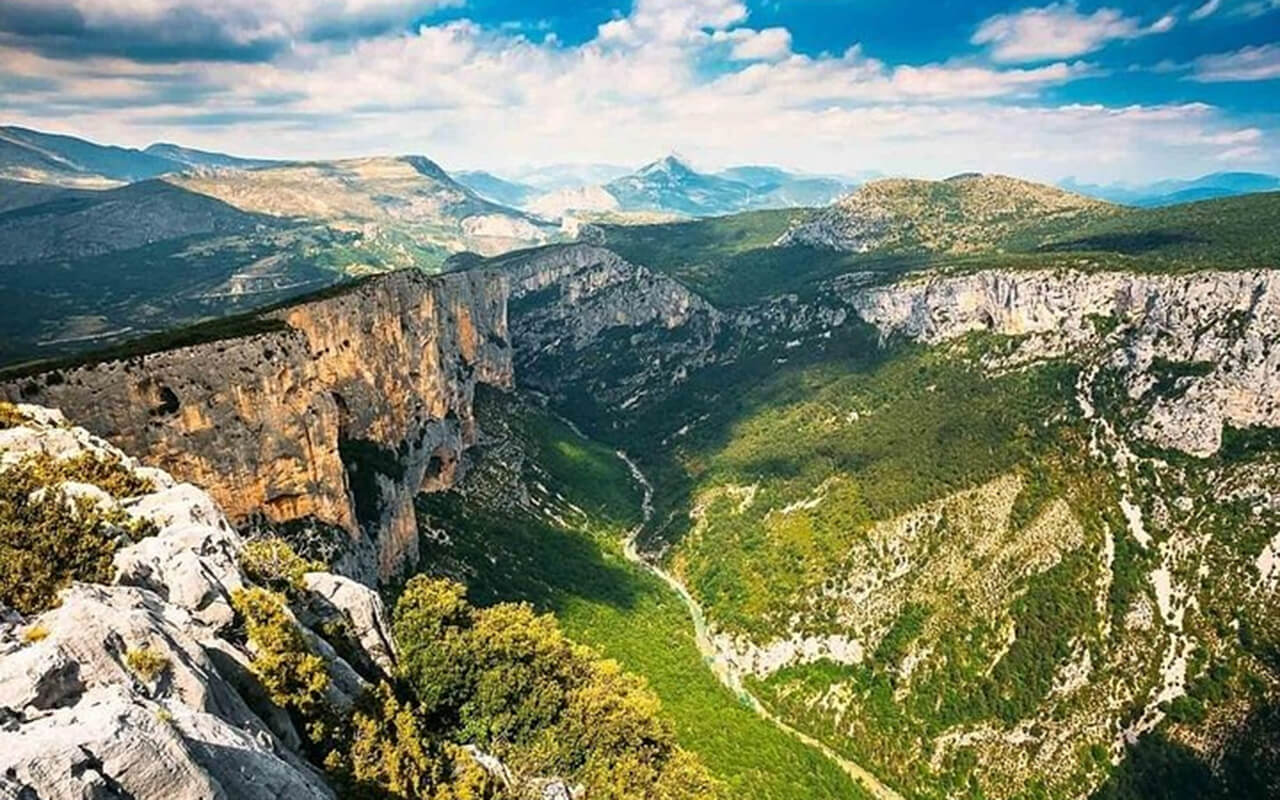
point(670, 164)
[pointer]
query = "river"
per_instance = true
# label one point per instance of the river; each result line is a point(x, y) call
point(722, 664)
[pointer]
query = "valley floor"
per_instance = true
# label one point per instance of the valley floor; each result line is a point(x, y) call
point(557, 540)
point(722, 664)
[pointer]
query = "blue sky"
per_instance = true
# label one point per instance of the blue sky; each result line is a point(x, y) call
point(1126, 91)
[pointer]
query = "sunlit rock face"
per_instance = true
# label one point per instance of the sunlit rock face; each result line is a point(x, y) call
point(356, 403)
point(1212, 331)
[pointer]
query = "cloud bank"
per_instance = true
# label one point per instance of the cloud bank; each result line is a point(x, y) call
point(326, 78)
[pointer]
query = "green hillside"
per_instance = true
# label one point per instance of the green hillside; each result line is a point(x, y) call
point(562, 550)
point(732, 261)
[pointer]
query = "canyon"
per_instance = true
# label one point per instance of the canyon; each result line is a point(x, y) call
point(338, 411)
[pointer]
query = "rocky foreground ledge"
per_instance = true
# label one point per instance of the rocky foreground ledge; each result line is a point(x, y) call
point(141, 688)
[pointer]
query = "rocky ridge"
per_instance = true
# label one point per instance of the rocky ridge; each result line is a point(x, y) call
point(1214, 328)
point(354, 404)
point(963, 214)
point(78, 718)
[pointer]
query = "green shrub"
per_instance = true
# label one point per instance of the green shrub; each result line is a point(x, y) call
point(294, 677)
point(146, 663)
point(273, 563)
point(48, 540)
point(9, 416)
point(382, 748)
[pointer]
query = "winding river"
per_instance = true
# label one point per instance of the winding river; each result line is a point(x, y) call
point(720, 663)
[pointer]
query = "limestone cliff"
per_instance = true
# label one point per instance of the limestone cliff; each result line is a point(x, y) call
point(359, 401)
point(1208, 334)
point(79, 719)
point(1192, 349)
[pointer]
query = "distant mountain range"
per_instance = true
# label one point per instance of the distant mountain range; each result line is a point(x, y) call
point(1172, 192)
point(668, 187)
point(100, 243)
point(47, 158)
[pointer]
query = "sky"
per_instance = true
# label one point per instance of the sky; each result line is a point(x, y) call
point(1124, 91)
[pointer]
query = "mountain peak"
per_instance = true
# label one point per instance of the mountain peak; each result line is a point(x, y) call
point(669, 164)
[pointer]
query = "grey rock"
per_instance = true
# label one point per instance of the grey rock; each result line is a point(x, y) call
point(361, 610)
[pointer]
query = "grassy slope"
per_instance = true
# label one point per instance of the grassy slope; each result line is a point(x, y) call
point(730, 261)
point(577, 571)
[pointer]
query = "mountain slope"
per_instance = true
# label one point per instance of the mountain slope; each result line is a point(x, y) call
point(963, 214)
point(88, 224)
point(86, 269)
point(408, 202)
point(49, 158)
point(491, 187)
point(782, 189)
point(1172, 192)
point(192, 158)
point(671, 185)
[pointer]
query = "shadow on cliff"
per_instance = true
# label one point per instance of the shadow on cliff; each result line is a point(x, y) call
point(505, 557)
point(1158, 767)
point(1134, 243)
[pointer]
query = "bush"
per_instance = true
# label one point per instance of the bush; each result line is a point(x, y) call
point(380, 749)
point(273, 563)
point(9, 416)
point(51, 540)
point(146, 663)
point(294, 677)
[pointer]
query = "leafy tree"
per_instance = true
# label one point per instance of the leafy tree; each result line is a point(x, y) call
point(506, 680)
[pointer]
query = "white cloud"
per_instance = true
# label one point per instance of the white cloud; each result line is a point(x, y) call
point(769, 44)
point(1258, 63)
point(469, 96)
point(1206, 10)
point(1059, 30)
point(672, 21)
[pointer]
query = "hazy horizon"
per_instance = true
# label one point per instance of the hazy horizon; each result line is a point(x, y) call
point(1129, 91)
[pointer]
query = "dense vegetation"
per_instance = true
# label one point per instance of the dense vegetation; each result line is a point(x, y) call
point(561, 550)
point(50, 537)
point(793, 470)
point(502, 679)
point(1226, 233)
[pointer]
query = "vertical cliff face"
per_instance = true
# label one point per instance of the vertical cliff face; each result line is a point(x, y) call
point(1198, 347)
point(356, 404)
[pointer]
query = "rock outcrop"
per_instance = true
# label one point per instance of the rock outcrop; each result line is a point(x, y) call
point(963, 214)
point(79, 718)
point(1209, 335)
point(341, 416)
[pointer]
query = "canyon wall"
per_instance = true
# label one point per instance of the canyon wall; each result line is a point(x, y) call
point(358, 401)
point(1210, 335)
point(1193, 350)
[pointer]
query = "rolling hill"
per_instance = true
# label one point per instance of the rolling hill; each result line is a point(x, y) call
point(408, 203)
